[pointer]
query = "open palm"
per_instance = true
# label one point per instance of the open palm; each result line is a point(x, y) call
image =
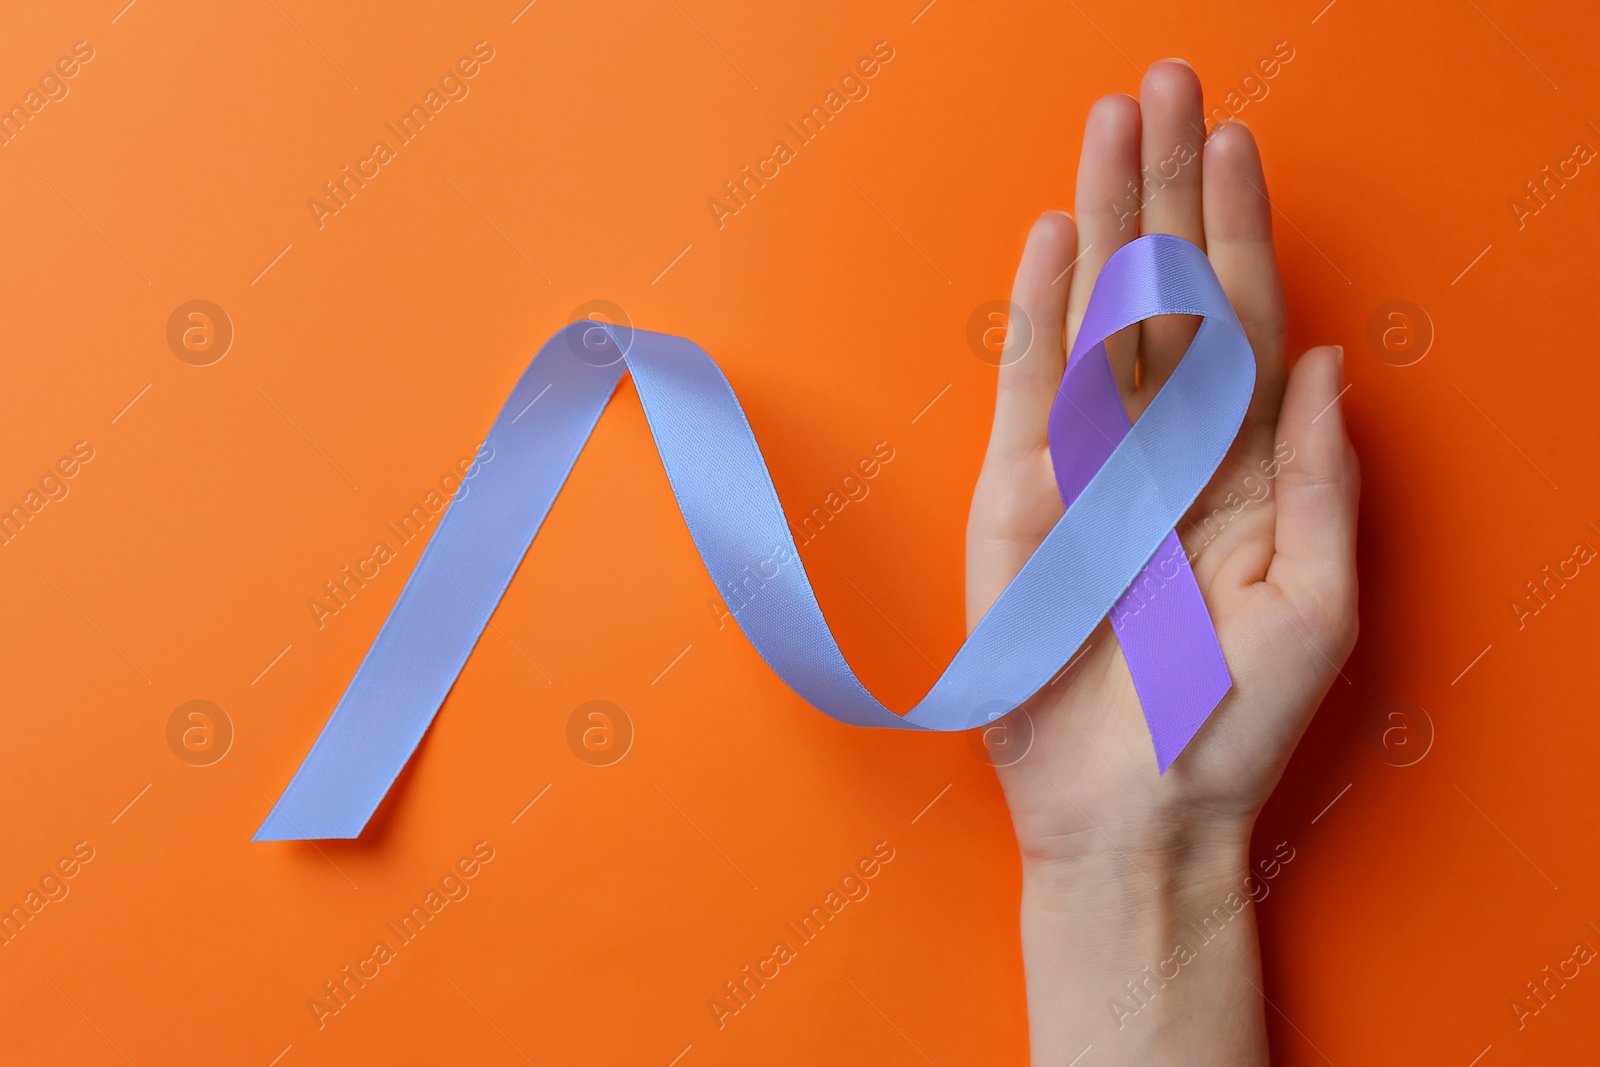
point(1271, 540)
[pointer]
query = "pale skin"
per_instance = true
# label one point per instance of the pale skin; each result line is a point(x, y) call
point(1117, 860)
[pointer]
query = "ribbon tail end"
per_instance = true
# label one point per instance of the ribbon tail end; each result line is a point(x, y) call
point(279, 827)
point(1175, 725)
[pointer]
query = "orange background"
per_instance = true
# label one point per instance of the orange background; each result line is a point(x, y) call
point(374, 352)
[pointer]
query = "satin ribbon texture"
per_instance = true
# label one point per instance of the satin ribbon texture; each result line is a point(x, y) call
point(1113, 551)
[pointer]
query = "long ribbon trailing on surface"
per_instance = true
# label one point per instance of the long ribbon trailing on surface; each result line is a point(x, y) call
point(1112, 551)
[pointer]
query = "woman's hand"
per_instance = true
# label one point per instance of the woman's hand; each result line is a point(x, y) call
point(1278, 573)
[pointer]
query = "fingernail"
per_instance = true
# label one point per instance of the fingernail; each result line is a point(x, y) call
point(1338, 361)
point(1177, 59)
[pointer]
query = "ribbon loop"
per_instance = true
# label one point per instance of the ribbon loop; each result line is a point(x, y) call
point(1124, 489)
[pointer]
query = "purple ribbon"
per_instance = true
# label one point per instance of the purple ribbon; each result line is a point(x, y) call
point(1161, 619)
point(1112, 551)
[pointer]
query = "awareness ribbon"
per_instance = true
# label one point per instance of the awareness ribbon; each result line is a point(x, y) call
point(1124, 488)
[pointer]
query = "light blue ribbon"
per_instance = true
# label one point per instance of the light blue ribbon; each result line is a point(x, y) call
point(1106, 536)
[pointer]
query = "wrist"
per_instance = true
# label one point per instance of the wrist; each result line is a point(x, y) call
point(1145, 894)
point(1184, 847)
point(1138, 949)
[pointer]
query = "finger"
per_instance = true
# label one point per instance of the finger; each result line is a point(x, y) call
point(1172, 139)
point(1238, 224)
point(1107, 213)
point(1034, 356)
point(1318, 485)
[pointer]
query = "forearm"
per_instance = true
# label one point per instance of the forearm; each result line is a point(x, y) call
point(1147, 958)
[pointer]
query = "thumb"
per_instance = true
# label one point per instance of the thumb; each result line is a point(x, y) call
point(1314, 565)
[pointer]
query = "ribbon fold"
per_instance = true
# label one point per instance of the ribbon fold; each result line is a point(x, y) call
point(1112, 551)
